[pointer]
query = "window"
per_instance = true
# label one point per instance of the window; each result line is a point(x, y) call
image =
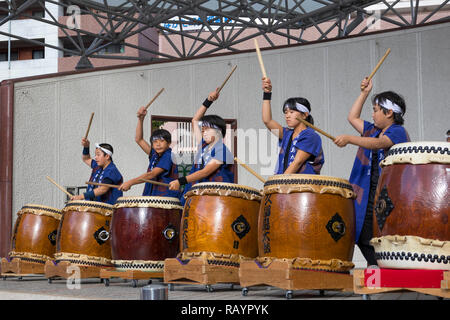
point(38, 54)
point(38, 13)
point(4, 56)
point(113, 48)
point(75, 191)
point(183, 143)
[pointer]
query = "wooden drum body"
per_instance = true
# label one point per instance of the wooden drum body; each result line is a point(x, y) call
point(309, 219)
point(220, 222)
point(83, 233)
point(412, 207)
point(144, 232)
point(35, 231)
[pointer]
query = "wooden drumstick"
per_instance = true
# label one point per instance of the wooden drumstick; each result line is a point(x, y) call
point(228, 77)
point(378, 65)
point(154, 98)
point(261, 63)
point(89, 126)
point(250, 170)
point(306, 123)
point(155, 182)
point(59, 187)
point(102, 184)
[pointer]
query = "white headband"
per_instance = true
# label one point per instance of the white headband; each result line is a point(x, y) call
point(299, 107)
point(388, 104)
point(103, 149)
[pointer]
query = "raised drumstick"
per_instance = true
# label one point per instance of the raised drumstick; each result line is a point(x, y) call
point(250, 170)
point(59, 187)
point(155, 182)
point(102, 184)
point(306, 123)
point(378, 65)
point(261, 63)
point(228, 77)
point(154, 98)
point(89, 126)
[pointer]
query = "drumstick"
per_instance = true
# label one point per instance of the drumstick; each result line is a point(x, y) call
point(306, 123)
point(89, 126)
point(261, 63)
point(59, 187)
point(155, 182)
point(378, 65)
point(154, 98)
point(228, 77)
point(102, 184)
point(250, 170)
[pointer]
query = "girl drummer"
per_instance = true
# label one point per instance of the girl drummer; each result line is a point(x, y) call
point(103, 171)
point(301, 147)
point(160, 168)
point(375, 140)
point(213, 162)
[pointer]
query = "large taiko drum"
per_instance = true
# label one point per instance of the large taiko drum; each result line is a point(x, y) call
point(83, 234)
point(35, 230)
point(412, 207)
point(220, 221)
point(145, 232)
point(309, 220)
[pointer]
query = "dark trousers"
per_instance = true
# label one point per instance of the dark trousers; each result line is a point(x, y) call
point(364, 239)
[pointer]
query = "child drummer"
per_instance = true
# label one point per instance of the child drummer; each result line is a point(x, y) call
point(103, 171)
point(301, 147)
point(213, 162)
point(375, 140)
point(160, 167)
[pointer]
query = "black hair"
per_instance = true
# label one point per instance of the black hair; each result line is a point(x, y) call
point(106, 146)
point(290, 104)
point(395, 98)
point(217, 121)
point(163, 133)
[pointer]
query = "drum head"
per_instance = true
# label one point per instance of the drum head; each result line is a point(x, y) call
point(420, 152)
point(224, 189)
point(290, 183)
point(41, 210)
point(148, 202)
point(89, 206)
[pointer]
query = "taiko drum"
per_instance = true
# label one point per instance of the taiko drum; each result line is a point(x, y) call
point(307, 217)
point(145, 232)
point(412, 207)
point(83, 233)
point(221, 218)
point(35, 230)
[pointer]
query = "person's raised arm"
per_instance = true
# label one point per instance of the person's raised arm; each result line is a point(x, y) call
point(139, 138)
point(86, 157)
point(200, 113)
point(354, 116)
point(270, 124)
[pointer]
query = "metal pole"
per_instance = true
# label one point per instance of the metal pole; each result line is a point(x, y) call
point(9, 37)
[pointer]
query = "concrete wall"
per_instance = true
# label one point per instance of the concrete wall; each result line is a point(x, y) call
point(51, 115)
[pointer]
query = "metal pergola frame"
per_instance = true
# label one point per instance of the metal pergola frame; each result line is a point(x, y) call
point(120, 19)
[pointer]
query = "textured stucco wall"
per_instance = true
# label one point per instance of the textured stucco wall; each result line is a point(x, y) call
point(51, 115)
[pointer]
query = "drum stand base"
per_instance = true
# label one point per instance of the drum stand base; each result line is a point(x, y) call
point(66, 270)
point(198, 271)
point(424, 281)
point(18, 268)
point(282, 275)
point(133, 275)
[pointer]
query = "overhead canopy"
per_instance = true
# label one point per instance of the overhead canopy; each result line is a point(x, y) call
point(203, 27)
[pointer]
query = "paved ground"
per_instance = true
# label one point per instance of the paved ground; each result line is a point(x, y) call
point(38, 288)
